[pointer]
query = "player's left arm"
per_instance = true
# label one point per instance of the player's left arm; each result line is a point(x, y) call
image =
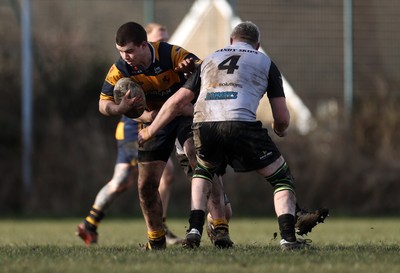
point(183, 60)
point(187, 66)
point(281, 116)
point(276, 96)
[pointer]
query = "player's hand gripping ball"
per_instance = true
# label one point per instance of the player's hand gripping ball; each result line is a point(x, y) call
point(133, 104)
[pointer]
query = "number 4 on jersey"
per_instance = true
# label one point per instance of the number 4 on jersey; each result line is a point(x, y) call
point(229, 64)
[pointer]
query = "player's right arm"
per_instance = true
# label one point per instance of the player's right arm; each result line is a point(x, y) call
point(107, 105)
point(108, 108)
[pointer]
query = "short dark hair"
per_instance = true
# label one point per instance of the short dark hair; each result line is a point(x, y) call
point(130, 32)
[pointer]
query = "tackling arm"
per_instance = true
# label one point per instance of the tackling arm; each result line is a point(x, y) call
point(170, 109)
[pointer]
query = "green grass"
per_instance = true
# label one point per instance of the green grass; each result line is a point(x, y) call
point(341, 245)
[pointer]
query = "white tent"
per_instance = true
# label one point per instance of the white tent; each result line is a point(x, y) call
point(206, 28)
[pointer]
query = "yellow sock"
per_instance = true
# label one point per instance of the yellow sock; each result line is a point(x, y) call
point(222, 222)
point(92, 221)
point(155, 235)
point(95, 216)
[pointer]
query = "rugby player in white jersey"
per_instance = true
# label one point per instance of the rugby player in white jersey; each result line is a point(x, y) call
point(232, 82)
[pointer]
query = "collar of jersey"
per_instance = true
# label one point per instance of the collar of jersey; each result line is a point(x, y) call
point(242, 44)
point(153, 53)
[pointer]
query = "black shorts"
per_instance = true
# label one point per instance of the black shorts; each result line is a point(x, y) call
point(245, 146)
point(162, 144)
point(184, 162)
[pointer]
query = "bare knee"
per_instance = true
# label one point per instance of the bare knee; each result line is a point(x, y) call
point(122, 178)
point(149, 178)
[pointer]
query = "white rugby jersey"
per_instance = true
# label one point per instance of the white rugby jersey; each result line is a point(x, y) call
point(233, 81)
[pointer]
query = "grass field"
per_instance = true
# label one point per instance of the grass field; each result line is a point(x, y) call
point(340, 245)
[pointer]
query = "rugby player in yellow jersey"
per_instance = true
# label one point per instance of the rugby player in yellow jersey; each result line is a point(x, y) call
point(152, 65)
point(125, 170)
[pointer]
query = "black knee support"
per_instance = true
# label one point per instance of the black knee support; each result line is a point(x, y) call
point(282, 179)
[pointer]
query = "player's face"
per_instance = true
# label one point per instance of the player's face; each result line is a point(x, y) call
point(132, 54)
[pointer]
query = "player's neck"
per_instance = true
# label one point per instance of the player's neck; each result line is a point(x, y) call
point(148, 56)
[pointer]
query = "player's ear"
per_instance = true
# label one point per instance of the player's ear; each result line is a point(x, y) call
point(231, 40)
point(143, 44)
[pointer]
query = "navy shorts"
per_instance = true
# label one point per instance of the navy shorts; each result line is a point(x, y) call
point(127, 152)
point(245, 146)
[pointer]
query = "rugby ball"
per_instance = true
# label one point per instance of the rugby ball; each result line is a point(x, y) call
point(121, 88)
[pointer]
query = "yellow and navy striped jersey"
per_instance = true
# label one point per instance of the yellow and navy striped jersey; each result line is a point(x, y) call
point(159, 81)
